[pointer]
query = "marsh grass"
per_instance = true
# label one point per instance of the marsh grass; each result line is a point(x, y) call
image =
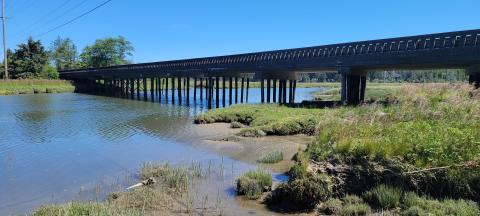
point(174, 193)
point(268, 119)
point(80, 209)
point(31, 86)
point(429, 125)
point(272, 157)
point(385, 197)
point(253, 183)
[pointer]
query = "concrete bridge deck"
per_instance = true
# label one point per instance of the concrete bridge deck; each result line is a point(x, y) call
point(353, 60)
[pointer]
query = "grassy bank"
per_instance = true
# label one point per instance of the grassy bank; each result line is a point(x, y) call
point(166, 190)
point(425, 143)
point(268, 119)
point(35, 86)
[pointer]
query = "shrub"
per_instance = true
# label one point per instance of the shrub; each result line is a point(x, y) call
point(414, 205)
point(356, 209)
point(252, 132)
point(236, 125)
point(272, 157)
point(331, 206)
point(384, 196)
point(253, 183)
point(303, 193)
point(352, 199)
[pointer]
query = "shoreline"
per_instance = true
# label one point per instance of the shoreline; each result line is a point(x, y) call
point(33, 86)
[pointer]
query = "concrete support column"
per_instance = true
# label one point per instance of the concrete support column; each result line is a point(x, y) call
point(223, 91)
point(274, 95)
point(290, 92)
point(166, 90)
point(353, 86)
point(138, 88)
point(145, 88)
point(195, 89)
point(241, 90)
point(209, 95)
point(236, 90)
point(230, 87)
point(132, 89)
point(201, 89)
point(474, 75)
point(262, 94)
point(173, 90)
point(217, 92)
point(248, 87)
point(280, 91)
point(187, 89)
point(152, 89)
point(268, 90)
point(179, 90)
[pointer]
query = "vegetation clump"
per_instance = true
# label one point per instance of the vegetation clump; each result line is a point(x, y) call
point(272, 157)
point(253, 183)
point(89, 208)
point(302, 193)
point(266, 119)
point(385, 197)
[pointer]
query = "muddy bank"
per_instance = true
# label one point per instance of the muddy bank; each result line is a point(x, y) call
point(220, 138)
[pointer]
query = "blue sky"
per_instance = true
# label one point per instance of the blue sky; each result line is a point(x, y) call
point(176, 29)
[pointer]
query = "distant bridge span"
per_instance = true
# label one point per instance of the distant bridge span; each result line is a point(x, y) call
point(353, 60)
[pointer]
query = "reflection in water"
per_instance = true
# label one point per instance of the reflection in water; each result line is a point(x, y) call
point(62, 147)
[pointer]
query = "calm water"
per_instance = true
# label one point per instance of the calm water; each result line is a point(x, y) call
point(60, 147)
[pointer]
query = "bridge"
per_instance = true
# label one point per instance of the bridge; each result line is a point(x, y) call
point(353, 60)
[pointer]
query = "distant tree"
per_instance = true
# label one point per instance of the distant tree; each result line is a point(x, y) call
point(29, 59)
point(49, 72)
point(63, 53)
point(106, 52)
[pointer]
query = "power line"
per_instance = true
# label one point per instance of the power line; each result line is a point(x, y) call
point(74, 19)
point(47, 14)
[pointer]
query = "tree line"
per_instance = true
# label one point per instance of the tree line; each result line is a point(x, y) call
point(32, 60)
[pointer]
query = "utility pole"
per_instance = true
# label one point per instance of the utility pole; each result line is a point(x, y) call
point(5, 64)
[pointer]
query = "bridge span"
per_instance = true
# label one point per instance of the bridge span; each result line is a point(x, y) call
point(281, 68)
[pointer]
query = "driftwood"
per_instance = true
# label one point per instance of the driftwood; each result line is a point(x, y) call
point(148, 181)
point(470, 164)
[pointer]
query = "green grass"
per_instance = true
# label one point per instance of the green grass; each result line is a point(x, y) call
point(81, 209)
point(268, 119)
point(173, 177)
point(253, 183)
point(272, 157)
point(385, 197)
point(166, 195)
point(35, 86)
point(430, 125)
